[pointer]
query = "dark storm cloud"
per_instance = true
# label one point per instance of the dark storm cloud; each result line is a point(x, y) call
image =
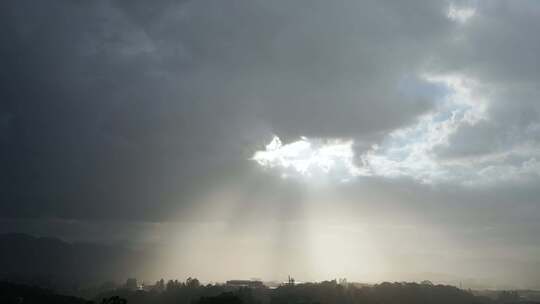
point(110, 109)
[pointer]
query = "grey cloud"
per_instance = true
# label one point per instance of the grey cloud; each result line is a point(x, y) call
point(494, 46)
point(495, 49)
point(115, 105)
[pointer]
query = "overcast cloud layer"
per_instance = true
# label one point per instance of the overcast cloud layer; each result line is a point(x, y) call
point(149, 115)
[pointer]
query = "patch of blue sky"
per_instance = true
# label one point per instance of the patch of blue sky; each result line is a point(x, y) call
point(414, 86)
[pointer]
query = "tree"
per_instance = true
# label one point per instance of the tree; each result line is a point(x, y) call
point(192, 283)
point(114, 300)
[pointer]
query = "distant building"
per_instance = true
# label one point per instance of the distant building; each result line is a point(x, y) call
point(245, 283)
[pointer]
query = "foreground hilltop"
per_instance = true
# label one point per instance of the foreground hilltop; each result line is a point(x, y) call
point(327, 292)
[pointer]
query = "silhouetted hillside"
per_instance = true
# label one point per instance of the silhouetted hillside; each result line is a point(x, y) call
point(386, 293)
point(18, 294)
point(329, 292)
point(52, 263)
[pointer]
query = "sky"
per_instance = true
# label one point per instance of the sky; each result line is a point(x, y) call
point(373, 140)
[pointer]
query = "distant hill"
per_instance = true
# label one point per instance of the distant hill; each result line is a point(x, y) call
point(56, 264)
